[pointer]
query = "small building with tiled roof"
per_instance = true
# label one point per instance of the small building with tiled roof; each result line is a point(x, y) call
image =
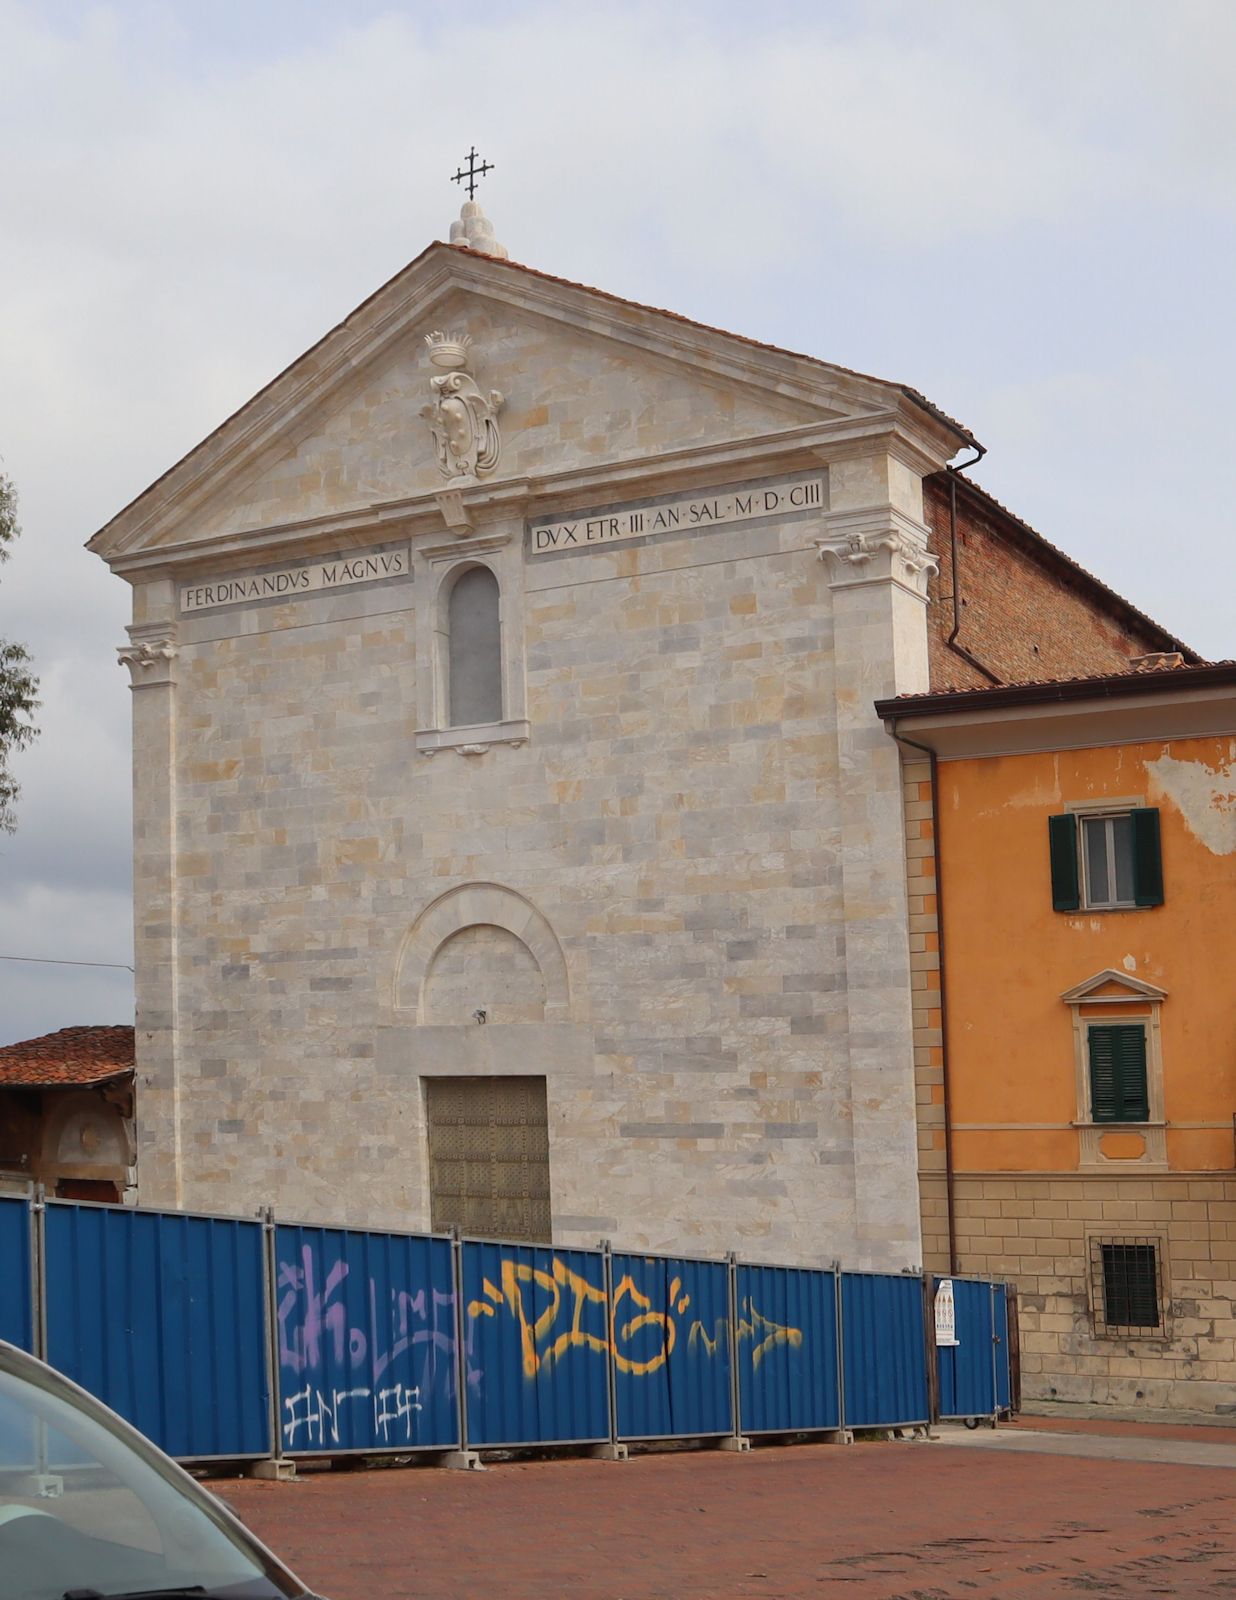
point(515, 838)
point(66, 1113)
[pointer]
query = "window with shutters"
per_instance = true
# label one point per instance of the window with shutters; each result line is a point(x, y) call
point(1126, 1287)
point(1118, 1061)
point(1105, 859)
point(1118, 1082)
point(489, 1157)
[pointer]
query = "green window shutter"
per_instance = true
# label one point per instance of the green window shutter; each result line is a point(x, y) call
point(1118, 1073)
point(1147, 858)
point(1104, 1099)
point(1131, 1073)
point(1062, 840)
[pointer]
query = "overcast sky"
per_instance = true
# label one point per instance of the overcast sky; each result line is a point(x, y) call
point(1023, 209)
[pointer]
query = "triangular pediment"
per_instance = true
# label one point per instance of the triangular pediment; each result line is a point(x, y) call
point(1114, 986)
point(585, 380)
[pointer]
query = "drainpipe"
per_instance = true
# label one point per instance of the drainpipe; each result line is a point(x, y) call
point(949, 1200)
point(951, 641)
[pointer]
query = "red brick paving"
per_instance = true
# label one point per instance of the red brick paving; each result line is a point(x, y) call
point(897, 1521)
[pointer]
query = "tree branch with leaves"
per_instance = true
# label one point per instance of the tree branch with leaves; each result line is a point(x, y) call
point(18, 685)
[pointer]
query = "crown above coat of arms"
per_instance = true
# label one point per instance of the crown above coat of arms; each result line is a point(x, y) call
point(449, 350)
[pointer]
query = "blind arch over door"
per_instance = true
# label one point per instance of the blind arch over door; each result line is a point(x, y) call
point(474, 649)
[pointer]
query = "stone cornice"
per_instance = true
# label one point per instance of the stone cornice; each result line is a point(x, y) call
point(692, 467)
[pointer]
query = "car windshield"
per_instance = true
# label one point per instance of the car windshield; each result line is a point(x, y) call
point(87, 1509)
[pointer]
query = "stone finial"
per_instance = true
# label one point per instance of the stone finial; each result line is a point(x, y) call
point(475, 231)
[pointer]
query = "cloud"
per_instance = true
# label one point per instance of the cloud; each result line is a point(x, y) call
point(1024, 210)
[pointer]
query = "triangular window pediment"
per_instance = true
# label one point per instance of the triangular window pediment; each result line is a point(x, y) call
point(1113, 987)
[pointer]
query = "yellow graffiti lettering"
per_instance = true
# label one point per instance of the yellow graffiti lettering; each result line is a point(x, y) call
point(699, 1335)
point(534, 1334)
point(548, 1337)
point(775, 1334)
point(646, 1318)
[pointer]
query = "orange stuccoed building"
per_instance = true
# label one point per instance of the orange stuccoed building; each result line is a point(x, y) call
point(1071, 850)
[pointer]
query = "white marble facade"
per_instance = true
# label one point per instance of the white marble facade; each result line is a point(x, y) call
point(669, 869)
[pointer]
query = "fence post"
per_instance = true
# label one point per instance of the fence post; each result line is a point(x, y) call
point(276, 1466)
point(995, 1343)
point(43, 1482)
point(461, 1459)
point(611, 1451)
point(931, 1352)
point(840, 1323)
point(735, 1440)
point(1012, 1333)
point(38, 1270)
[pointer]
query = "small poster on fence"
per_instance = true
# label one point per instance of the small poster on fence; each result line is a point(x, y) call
point(946, 1314)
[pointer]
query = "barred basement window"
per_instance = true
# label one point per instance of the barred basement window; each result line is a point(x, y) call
point(1126, 1287)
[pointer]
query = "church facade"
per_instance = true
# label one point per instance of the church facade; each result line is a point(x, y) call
point(517, 847)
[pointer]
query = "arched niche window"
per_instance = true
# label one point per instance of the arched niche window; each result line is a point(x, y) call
point(473, 650)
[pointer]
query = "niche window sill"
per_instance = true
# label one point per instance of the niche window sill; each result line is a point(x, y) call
point(473, 741)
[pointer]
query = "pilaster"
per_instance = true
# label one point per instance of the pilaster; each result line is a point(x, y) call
point(875, 545)
point(152, 657)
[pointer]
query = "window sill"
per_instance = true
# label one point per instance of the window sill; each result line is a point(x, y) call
point(1131, 1127)
point(474, 741)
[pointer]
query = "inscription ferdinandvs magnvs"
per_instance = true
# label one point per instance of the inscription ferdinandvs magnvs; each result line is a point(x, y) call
point(703, 511)
point(367, 566)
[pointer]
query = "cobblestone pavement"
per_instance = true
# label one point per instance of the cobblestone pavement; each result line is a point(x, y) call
point(898, 1521)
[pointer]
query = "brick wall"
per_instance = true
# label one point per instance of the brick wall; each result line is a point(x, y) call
point(1033, 1230)
point(1026, 613)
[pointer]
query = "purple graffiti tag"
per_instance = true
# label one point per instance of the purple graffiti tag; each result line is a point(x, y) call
point(320, 1314)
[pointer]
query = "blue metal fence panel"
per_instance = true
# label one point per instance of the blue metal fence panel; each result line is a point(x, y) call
point(536, 1344)
point(1004, 1377)
point(967, 1385)
point(162, 1316)
point(884, 1355)
point(366, 1340)
point(673, 1362)
point(16, 1279)
point(787, 1349)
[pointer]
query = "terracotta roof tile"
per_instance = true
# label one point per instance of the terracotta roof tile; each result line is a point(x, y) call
point(69, 1057)
point(1134, 680)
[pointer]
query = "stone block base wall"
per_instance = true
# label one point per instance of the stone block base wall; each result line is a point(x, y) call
point(1036, 1232)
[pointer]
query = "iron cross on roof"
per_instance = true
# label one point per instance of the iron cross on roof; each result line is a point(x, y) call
point(472, 172)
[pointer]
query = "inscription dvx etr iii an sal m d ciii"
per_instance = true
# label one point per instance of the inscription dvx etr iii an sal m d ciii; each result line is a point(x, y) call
point(675, 516)
point(289, 583)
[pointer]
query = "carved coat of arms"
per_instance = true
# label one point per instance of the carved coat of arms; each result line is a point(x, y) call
point(463, 420)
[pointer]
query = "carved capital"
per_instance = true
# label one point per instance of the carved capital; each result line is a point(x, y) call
point(150, 656)
point(462, 419)
point(877, 548)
